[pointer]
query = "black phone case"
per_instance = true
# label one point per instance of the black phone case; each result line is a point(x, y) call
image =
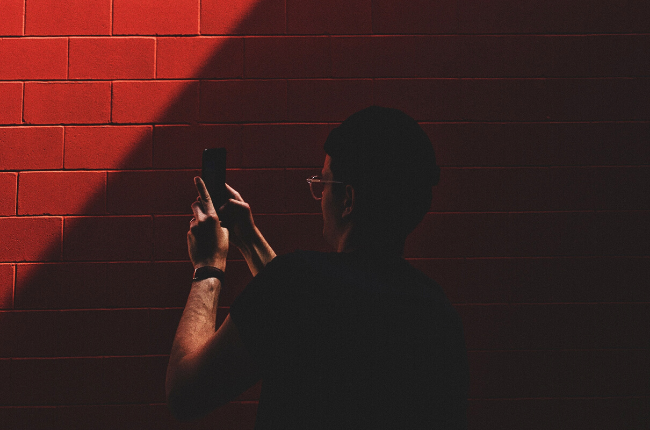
point(214, 175)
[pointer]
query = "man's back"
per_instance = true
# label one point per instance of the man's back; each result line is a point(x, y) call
point(347, 340)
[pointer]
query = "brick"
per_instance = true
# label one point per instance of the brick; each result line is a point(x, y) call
point(67, 193)
point(609, 17)
point(199, 57)
point(30, 238)
point(414, 17)
point(38, 327)
point(622, 188)
point(548, 280)
point(512, 414)
point(31, 148)
point(287, 57)
point(505, 100)
point(102, 285)
point(37, 417)
point(134, 380)
point(327, 100)
point(270, 191)
point(32, 382)
point(553, 234)
point(538, 189)
point(231, 416)
point(181, 146)
point(80, 380)
point(79, 333)
point(618, 55)
point(580, 233)
point(339, 17)
point(13, 13)
point(101, 332)
point(621, 233)
point(8, 183)
point(11, 102)
point(41, 58)
point(154, 101)
point(163, 323)
point(620, 373)
point(170, 237)
point(395, 56)
point(621, 326)
point(470, 280)
point(243, 101)
point(112, 58)
point(73, 17)
point(108, 147)
point(486, 327)
point(566, 144)
point(7, 281)
point(552, 326)
point(461, 235)
point(288, 233)
point(514, 374)
point(623, 412)
point(517, 56)
point(423, 99)
point(150, 192)
point(243, 17)
point(551, 17)
point(599, 99)
point(107, 238)
point(67, 102)
point(103, 417)
point(156, 17)
point(499, 234)
point(284, 145)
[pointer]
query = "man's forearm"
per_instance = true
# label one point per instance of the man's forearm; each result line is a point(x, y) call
point(257, 252)
point(197, 323)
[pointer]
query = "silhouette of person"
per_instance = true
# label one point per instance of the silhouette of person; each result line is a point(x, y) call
point(351, 339)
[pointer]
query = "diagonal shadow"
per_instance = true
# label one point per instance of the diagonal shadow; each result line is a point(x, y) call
point(125, 265)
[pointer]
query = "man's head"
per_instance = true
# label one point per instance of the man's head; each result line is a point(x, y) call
point(388, 166)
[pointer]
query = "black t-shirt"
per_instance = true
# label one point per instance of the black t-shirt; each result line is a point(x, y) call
point(348, 341)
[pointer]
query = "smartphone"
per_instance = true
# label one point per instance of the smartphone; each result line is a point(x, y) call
point(213, 173)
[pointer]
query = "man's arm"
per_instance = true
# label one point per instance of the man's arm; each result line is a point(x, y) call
point(206, 368)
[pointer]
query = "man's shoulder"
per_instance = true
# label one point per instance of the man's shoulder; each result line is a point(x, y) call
point(303, 259)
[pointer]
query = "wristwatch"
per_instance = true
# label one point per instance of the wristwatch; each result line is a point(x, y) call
point(206, 272)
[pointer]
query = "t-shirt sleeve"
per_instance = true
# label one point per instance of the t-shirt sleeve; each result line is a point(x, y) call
point(262, 312)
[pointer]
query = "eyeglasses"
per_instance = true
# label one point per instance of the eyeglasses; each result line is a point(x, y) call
point(317, 186)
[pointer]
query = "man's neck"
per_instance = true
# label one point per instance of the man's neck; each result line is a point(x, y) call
point(376, 243)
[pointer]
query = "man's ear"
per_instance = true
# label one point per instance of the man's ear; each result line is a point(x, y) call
point(348, 201)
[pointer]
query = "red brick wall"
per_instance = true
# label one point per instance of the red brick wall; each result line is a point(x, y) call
point(539, 231)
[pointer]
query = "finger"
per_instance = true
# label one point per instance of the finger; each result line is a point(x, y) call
point(234, 193)
point(204, 195)
point(197, 209)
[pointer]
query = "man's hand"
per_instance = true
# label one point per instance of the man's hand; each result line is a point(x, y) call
point(207, 241)
point(241, 225)
point(243, 232)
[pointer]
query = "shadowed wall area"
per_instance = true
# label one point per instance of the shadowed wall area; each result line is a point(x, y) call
point(538, 232)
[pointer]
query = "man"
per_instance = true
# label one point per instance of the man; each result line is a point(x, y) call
point(353, 339)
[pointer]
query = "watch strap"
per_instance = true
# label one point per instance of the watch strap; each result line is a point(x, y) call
point(206, 272)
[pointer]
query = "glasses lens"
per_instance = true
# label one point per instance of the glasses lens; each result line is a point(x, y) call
point(317, 189)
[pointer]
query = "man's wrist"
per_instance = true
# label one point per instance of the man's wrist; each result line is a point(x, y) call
point(219, 264)
point(205, 272)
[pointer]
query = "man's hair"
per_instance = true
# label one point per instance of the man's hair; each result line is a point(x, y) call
point(389, 161)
